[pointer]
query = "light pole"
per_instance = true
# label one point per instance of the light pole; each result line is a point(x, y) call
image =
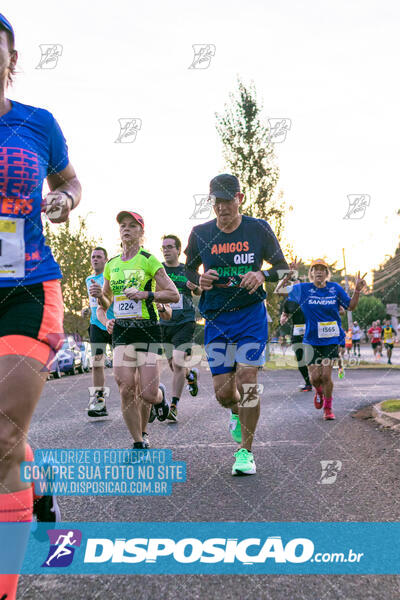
point(346, 285)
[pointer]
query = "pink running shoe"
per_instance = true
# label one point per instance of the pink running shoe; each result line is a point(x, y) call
point(328, 414)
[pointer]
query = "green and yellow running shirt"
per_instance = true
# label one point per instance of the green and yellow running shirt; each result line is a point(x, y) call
point(137, 272)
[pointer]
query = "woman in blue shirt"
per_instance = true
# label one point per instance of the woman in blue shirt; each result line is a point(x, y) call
point(32, 149)
point(320, 301)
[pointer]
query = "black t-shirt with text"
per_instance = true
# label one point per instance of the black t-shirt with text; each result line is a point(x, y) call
point(231, 255)
point(182, 311)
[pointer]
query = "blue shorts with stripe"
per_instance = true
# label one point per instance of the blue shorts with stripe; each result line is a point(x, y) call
point(238, 336)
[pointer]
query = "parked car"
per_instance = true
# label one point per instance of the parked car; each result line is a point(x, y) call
point(86, 356)
point(54, 368)
point(69, 357)
point(108, 360)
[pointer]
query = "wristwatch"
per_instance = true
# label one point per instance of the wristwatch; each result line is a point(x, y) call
point(150, 296)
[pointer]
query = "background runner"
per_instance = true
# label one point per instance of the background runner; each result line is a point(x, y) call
point(178, 332)
point(98, 335)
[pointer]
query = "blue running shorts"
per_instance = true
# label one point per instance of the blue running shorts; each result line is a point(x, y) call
point(238, 336)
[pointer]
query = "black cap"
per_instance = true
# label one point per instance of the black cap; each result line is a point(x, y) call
point(5, 24)
point(224, 186)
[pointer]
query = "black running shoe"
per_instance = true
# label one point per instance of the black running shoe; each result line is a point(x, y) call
point(153, 414)
point(162, 409)
point(97, 406)
point(45, 510)
point(306, 388)
point(139, 446)
point(192, 382)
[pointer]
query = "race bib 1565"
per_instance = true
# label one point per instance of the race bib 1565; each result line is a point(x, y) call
point(328, 329)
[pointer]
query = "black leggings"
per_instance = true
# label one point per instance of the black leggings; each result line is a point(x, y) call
point(355, 344)
point(299, 352)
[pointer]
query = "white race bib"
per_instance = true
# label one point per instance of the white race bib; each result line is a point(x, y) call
point(299, 329)
point(328, 329)
point(127, 309)
point(177, 305)
point(12, 247)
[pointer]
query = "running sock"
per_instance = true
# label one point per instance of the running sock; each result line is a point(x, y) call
point(174, 400)
point(327, 402)
point(304, 373)
point(14, 507)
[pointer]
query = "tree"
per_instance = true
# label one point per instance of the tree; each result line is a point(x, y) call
point(369, 309)
point(249, 155)
point(72, 250)
point(386, 279)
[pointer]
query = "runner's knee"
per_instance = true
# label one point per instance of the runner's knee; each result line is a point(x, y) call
point(11, 449)
point(150, 394)
point(326, 376)
point(225, 398)
point(315, 379)
point(125, 389)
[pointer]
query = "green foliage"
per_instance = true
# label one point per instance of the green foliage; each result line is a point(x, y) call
point(250, 156)
point(369, 309)
point(72, 250)
point(274, 302)
point(391, 405)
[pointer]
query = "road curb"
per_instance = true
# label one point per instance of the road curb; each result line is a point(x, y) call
point(384, 418)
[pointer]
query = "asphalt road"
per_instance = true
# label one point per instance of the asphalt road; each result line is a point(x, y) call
point(291, 440)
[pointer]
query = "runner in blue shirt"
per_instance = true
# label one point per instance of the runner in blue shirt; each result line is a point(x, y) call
point(98, 335)
point(232, 249)
point(320, 301)
point(32, 149)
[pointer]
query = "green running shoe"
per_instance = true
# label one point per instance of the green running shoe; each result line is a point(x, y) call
point(244, 463)
point(341, 373)
point(173, 413)
point(235, 428)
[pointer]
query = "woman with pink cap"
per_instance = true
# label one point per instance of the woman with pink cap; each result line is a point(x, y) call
point(134, 282)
